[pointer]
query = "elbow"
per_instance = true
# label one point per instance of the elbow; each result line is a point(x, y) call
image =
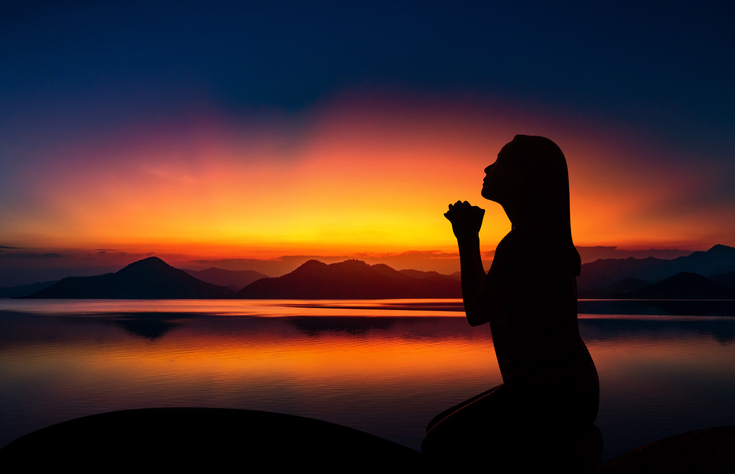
point(476, 313)
point(475, 318)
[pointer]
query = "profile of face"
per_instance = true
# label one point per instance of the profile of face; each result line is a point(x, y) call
point(502, 178)
point(530, 180)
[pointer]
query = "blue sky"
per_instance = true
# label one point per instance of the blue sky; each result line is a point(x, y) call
point(652, 77)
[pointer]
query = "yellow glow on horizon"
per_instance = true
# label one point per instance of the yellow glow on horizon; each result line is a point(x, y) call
point(361, 178)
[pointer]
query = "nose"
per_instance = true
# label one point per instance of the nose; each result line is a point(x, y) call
point(489, 168)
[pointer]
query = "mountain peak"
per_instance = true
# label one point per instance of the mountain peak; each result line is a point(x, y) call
point(719, 248)
point(350, 279)
point(150, 278)
point(152, 260)
point(352, 262)
point(150, 263)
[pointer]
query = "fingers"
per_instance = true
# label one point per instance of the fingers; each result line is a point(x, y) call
point(462, 210)
point(462, 205)
point(459, 204)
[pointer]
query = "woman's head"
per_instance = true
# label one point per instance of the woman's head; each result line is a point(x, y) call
point(527, 168)
point(531, 182)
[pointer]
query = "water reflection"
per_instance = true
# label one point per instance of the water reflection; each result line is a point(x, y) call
point(719, 329)
point(659, 307)
point(384, 375)
point(147, 325)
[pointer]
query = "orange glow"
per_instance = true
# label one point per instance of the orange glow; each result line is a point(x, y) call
point(386, 357)
point(360, 176)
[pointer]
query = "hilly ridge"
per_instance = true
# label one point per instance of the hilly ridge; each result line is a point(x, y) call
point(684, 285)
point(150, 278)
point(603, 273)
point(233, 279)
point(630, 278)
point(352, 279)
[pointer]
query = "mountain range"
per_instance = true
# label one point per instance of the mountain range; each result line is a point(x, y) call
point(150, 278)
point(353, 279)
point(603, 273)
point(707, 274)
point(683, 285)
point(233, 279)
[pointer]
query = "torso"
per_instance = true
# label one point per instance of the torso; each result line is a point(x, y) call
point(536, 336)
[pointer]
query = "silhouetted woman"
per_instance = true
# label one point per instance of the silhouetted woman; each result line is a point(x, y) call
point(529, 297)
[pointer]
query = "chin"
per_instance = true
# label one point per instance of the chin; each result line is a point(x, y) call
point(489, 195)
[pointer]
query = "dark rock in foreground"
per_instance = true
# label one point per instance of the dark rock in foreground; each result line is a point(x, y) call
point(150, 278)
point(204, 440)
point(224, 440)
point(707, 451)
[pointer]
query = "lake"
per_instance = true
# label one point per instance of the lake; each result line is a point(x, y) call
point(385, 367)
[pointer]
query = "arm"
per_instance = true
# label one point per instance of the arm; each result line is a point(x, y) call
point(473, 275)
point(482, 296)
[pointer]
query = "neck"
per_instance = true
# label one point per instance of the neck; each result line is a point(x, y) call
point(516, 217)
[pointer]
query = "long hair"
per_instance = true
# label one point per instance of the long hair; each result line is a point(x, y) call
point(545, 192)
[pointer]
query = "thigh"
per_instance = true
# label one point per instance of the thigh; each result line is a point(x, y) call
point(457, 407)
point(486, 410)
point(486, 421)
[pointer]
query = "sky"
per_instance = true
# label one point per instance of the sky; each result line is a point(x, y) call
point(236, 133)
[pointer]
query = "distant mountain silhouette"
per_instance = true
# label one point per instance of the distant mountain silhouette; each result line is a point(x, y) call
point(233, 279)
point(683, 285)
point(601, 274)
point(628, 284)
point(622, 286)
point(150, 278)
point(715, 260)
point(353, 279)
point(24, 290)
point(725, 279)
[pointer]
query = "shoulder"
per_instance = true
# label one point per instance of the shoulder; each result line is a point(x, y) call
point(513, 241)
point(520, 240)
point(522, 246)
point(506, 253)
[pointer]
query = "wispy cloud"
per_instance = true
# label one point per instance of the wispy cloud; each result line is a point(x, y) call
point(32, 255)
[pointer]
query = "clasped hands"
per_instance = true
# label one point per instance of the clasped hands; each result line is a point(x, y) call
point(466, 219)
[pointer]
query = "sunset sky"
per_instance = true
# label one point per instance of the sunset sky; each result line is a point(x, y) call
point(233, 132)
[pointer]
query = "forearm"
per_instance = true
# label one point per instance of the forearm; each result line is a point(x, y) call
point(472, 270)
point(466, 222)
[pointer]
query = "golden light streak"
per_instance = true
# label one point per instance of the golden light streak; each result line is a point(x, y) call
point(359, 176)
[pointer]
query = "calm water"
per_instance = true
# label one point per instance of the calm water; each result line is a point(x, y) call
point(385, 367)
